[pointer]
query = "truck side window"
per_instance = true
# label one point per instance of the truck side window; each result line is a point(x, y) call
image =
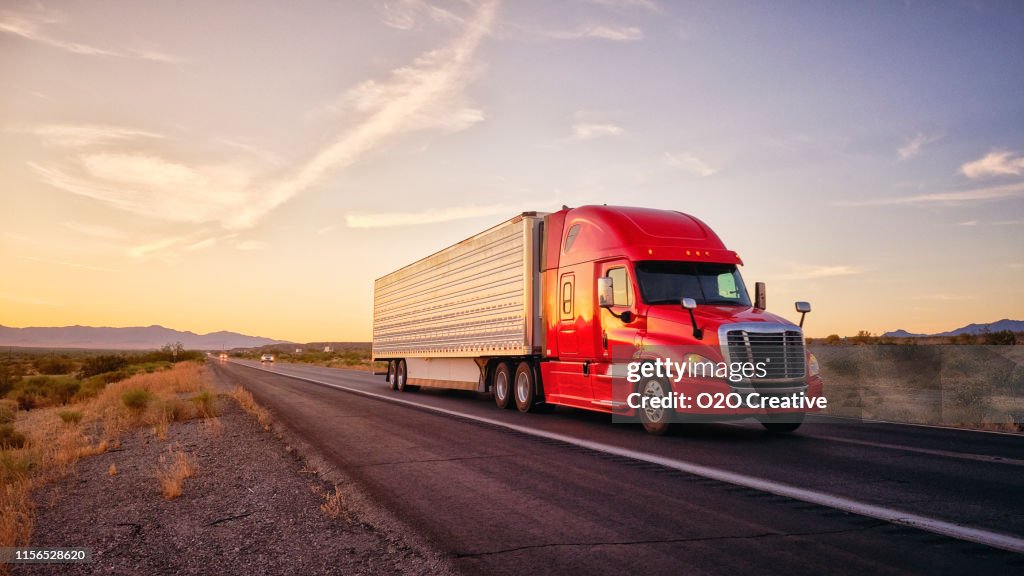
point(567, 297)
point(727, 286)
point(621, 288)
point(570, 238)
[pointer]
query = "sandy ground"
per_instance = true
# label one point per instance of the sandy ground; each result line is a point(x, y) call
point(253, 507)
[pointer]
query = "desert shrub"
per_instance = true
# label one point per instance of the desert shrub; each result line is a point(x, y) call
point(174, 468)
point(843, 366)
point(10, 438)
point(206, 404)
point(832, 339)
point(102, 363)
point(1001, 338)
point(53, 365)
point(137, 399)
point(8, 411)
point(70, 416)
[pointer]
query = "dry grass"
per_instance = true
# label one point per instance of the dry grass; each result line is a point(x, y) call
point(248, 403)
point(112, 471)
point(174, 468)
point(333, 504)
point(54, 439)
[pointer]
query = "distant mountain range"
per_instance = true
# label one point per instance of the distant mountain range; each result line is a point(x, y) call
point(1004, 324)
point(133, 338)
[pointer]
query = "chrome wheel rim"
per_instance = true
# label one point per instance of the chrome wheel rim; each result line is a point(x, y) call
point(501, 385)
point(653, 388)
point(522, 387)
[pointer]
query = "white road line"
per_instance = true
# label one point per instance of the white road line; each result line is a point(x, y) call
point(893, 516)
point(916, 425)
point(944, 453)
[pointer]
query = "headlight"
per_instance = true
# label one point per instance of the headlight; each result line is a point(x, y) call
point(696, 366)
point(812, 365)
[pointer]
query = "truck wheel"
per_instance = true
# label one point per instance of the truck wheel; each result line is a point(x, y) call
point(656, 421)
point(392, 368)
point(400, 375)
point(524, 387)
point(782, 423)
point(502, 386)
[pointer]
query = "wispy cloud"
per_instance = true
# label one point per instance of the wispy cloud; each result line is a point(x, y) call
point(942, 297)
point(427, 94)
point(152, 186)
point(816, 272)
point(95, 231)
point(404, 14)
point(599, 32)
point(998, 163)
point(34, 27)
point(202, 244)
point(950, 198)
point(913, 146)
point(76, 135)
point(430, 216)
point(689, 163)
point(325, 230)
point(69, 264)
point(588, 130)
point(650, 5)
point(143, 250)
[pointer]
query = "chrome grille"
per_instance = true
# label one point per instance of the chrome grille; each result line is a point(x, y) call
point(780, 348)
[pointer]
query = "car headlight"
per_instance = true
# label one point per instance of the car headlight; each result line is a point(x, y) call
point(812, 365)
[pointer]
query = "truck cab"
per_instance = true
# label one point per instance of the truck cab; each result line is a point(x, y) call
point(633, 285)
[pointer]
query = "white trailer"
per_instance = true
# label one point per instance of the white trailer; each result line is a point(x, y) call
point(440, 320)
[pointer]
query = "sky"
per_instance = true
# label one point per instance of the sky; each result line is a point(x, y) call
point(253, 166)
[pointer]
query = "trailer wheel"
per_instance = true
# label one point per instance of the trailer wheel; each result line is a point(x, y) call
point(525, 387)
point(656, 421)
point(392, 380)
point(400, 375)
point(782, 423)
point(502, 385)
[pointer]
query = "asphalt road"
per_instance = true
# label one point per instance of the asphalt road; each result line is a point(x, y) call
point(594, 497)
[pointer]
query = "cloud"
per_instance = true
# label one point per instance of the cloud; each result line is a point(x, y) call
point(142, 250)
point(403, 14)
point(599, 32)
point(202, 244)
point(689, 163)
point(78, 135)
point(325, 230)
point(949, 198)
point(103, 232)
point(427, 94)
point(998, 163)
point(942, 297)
point(629, 4)
point(912, 147)
point(29, 300)
point(968, 223)
point(31, 27)
point(815, 272)
point(587, 131)
point(152, 186)
point(430, 216)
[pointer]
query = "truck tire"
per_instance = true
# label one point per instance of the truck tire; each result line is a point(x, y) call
point(400, 375)
point(392, 368)
point(502, 385)
point(525, 388)
point(656, 421)
point(783, 423)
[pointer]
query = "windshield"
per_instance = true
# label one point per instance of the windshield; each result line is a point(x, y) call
point(666, 282)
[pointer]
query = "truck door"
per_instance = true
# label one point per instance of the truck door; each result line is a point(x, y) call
point(616, 339)
point(568, 342)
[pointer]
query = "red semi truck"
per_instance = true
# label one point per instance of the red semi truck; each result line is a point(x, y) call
point(585, 307)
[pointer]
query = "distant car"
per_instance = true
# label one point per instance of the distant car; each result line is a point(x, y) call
point(223, 356)
point(267, 358)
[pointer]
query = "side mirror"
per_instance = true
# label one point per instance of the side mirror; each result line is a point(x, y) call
point(760, 296)
point(689, 304)
point(803, 308)
point(605, 292)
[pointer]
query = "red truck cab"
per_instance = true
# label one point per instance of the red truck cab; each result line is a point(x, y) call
point(643, 262)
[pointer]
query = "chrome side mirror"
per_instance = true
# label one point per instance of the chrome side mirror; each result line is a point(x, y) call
point(605, 292)
point(689, 304)
point(803, 308)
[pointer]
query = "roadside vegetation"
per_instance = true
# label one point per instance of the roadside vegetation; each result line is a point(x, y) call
point(57, 407)
point(968, 381)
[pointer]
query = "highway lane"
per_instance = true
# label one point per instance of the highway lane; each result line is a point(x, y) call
point(497, 499)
